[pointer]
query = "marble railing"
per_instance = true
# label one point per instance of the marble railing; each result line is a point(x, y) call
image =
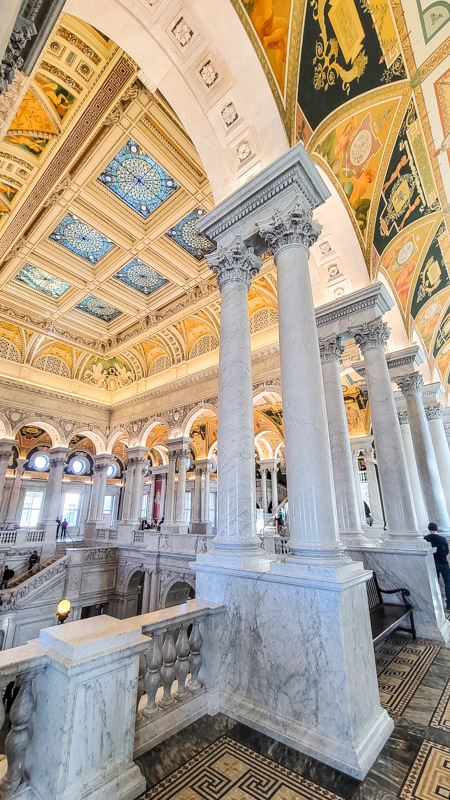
point(106, 535)
point(21, 536)
point(277, 545)
point(169, 685)
point(190, 543)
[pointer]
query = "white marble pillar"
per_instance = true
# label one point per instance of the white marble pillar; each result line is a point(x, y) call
point(52, 501)
point(236, 541)
point(362, 515)
point(416, 489)
point(146, 593)
point(183, 455)
point(398, 504)
point(435, 415)
point(154, 593)
point(162, 503)
point(274, 485)
point(13, 510)
point(197, 510)
point(376, 508)
point(151, 498)
point(137, 456)
point(170, 486)
point(263, 472)
point(98, 491)
point(6, 446)
point(312, 509)
point(348, 513)
point(127, 492)
point(430, 481)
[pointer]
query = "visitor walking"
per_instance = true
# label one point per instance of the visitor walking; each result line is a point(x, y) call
point(440, 544)
point(7, 575)
point(32, 561)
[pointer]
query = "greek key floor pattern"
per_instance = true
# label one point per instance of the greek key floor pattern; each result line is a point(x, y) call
point(216, 758)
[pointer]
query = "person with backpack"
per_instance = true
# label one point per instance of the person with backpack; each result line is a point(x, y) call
point(440, 547)
point(7, 575)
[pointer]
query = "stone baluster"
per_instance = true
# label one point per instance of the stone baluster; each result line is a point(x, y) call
point(416, 489)
point(52, 502)
point(236, 540)
point(195, 658)
point(398, 504)
point(167, 671)
point(348, 509)
point(312, 509)
point(435, 414)
point(152, 678)
point(17, 739)
point(6, 446)
point(433, 495)
point(12, 514)
point(182, 663)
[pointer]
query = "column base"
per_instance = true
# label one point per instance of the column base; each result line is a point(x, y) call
point(315, 637)
point(414, 570)
point(251, 560)
point(356, 539)
point(200, 527)
point(294, 567)
point(407, 541)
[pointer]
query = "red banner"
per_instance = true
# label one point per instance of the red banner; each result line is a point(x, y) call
point(155, 513)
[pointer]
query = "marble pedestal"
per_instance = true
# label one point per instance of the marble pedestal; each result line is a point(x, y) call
point(175, 527)
point(293, 658)
point(84, 717)
point(413, 570)
point(200, 527)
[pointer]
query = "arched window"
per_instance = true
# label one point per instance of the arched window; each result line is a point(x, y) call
point(204, 345)
point(159, 365)
point(8, 350)
point(263, 318)
point(53, 364)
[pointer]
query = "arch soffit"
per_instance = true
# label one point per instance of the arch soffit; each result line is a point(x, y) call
point(269, 388)
point(260, 440)
point(184, 578)
point(119, 434)
point(97, 438)
point(162, 452)
point(148, 429)
point(192, 416)
point(5, 428)
point(57, 437)
point(139, 30)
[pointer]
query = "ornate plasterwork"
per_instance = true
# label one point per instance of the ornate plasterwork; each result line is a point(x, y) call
point(234, 263)
point(434, 411)
point(331, 348)
point(371, 334)
point(410, 384)
point(293, 226)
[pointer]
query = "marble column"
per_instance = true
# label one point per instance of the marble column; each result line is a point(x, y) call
point(52, 502)
point(433, 495)
point(13, 511)
point(398, 504)
point(348, 513)
point(6, 446)
point(376, 507)
point(151, 499)
point(274, 484)
point(197, 510)
point(435, 414)
point(362, 515)
point(137, 456)
point(146, 593)
point(236, 542)
point(416, 489)
point(162, 502)
point(154, 593)
point(312, 508)
point(170, 487)
point(183, 454)
point(178, 453)
point(101, 464)
point(127, 492)
point(263, 472)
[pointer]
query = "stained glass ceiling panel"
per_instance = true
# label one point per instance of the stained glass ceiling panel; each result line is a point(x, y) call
point(78, 237)
point(98, 308)
point(189, 238)
point(42, 281)
point(137, 179)
point(141, 277)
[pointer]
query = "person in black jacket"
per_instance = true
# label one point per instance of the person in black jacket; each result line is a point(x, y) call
point(7, 575)
point(440, 557)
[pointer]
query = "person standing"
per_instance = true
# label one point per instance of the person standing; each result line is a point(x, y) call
point(58, 527)
point(7, 575)
point(440, 557)
point(64, 526)
point(32, 561)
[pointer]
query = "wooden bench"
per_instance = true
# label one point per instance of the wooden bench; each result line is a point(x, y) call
point(385, 618)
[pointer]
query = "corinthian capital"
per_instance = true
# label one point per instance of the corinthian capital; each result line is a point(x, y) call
point(331, 348)
point(434, 412)
point(371, 334)
point(410, 384)
point(294, 226)
point(403, 417)
point(234, 263)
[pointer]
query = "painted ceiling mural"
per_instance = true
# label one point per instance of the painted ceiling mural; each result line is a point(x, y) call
point(372, 85)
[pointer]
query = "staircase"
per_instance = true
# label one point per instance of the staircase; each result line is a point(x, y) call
point(24, 574)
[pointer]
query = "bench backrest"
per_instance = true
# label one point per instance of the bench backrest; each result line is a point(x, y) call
point(373, 593)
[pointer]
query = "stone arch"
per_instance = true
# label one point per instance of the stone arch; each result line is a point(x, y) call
point(192, 416)
point(97, 438)
point(260, 439)
point(189, 580)
point(139, 30)
point(118, 434)
point(162, 452)
point(57, 437)
point(148, 429)
point(267, 389)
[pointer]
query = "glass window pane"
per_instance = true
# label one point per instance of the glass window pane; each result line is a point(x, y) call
point(144, 505)
point(71, 508)
point(31, 510)
point(108, 507)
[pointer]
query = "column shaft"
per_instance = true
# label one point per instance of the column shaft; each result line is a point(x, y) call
point(434, 415)
point(416, 489)
point(146, 593)
point(54, 486)
point(170, 488)
point(274, 488)
point(197, 510)
point(348, 512)
point(398, 504)
point(5, 454)
point(181, 484)
point(151, 499)
point(154, 592)
point(433, 495)
point(376, 508)
point(15, 492)
point(264, 488)
point(205, 504)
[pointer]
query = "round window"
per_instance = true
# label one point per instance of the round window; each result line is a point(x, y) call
point(78, 466)
point(111, 472)
point(40, 462)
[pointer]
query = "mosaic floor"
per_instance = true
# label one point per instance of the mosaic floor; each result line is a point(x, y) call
point(219, 759)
